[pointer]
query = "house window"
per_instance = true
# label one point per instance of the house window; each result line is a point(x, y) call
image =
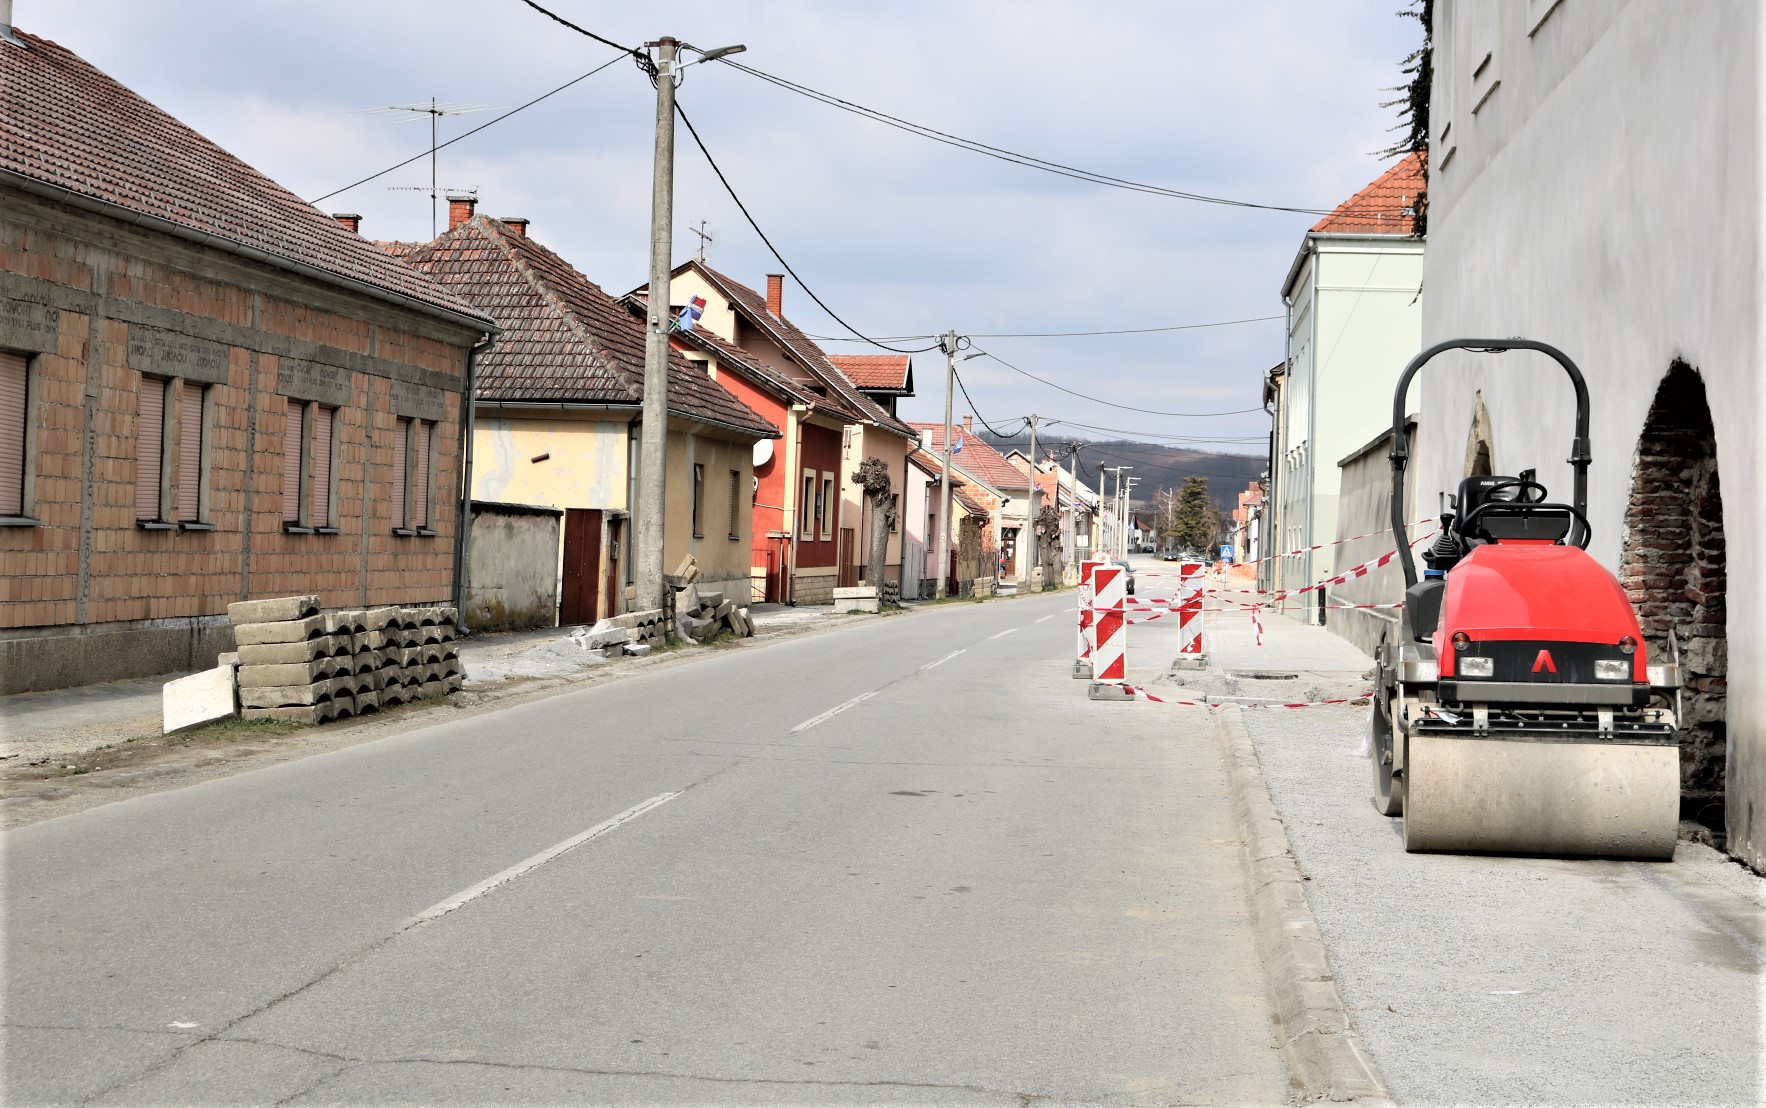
point(698, 500)
point(307, 469)
point(735, 504)
point(15, 391)
point(412, 491)
point(826, 515)
point(170, 486)
point(810, 508)
point(894, 512)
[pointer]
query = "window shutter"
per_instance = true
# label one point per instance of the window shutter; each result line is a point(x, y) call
point(13, 382)
point(401, 457)
point(291, 436)
point(189, 451)
point(421, 509)
point(323, 419)
point(149, 445)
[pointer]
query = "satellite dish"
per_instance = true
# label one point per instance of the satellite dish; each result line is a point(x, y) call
point(763, 452)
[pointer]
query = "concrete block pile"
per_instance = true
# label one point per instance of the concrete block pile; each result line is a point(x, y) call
point(304, 665)
point(700, 615)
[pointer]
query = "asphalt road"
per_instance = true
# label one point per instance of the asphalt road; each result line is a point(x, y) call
point(902, 862)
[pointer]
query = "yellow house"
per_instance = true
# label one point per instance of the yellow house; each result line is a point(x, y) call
point(558, 419)
point(757, 326)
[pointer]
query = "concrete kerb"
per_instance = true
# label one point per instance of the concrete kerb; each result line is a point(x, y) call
point(1318, 1039)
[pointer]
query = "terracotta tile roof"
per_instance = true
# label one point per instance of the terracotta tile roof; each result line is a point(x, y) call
point(748, 365)
point(1380, 208)
point(563, 339)
point(753, 306)
point(887, 373)
point(977, 458)
point(974, 507)
point(66, 124)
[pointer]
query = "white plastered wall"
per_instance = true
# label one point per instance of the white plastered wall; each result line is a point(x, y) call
point(1605, 198)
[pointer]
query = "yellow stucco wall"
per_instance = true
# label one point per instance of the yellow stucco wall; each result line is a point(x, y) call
point(584, 464)
point(722, 559)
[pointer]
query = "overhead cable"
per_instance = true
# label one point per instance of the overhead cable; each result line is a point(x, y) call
point(1005, 155)
point(464, 135)
point(746, 214)
point(1075, 334)
point(1112, 403)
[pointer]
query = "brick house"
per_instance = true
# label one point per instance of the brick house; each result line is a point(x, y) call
point(993, 482)
point(209, 391)
point(757, 325)
point(795, 529)
point(558, 410)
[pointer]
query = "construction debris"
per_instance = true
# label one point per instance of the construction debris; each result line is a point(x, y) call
point(699, 615)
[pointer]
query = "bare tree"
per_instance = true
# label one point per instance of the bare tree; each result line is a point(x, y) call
point(873, 475)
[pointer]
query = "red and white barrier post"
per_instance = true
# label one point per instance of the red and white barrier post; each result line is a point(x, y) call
point(1082, 666)
point(1191, 581)
point(1109, 635)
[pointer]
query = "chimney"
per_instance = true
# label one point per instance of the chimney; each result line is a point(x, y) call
point(515, 223)
point(460, 209)
point(775, 294)
point(968, 425)
point(6, 34)
point(350, 220)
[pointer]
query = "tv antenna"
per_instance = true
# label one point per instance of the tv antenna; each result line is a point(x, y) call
point(434, 110)
point(706, 238)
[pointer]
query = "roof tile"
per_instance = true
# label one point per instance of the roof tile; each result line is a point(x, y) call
point(1385, 207)
point(65, 123)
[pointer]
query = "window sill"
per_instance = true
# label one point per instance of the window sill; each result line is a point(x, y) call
point(404, 532)
point(19, 521)
point(155, 525)
point(327, 531)
point(295, 529)
point(699, 534)
point(196, 525)
point(425, 533)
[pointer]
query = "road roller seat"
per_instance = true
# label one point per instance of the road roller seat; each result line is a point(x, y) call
point(1509, 509)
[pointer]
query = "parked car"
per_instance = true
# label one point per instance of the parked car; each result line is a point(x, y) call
point(1127, 575)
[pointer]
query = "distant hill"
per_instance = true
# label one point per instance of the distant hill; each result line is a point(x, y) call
point(1159, 467)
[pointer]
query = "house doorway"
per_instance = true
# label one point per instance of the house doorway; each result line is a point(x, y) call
point(848, 558)
point(578, 602)
point(1673, 566)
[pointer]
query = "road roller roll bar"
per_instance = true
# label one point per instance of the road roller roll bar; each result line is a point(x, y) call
point(1400, 454)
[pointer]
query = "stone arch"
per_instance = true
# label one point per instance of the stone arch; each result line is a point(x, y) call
point(1672, 563)
point(1480, 447)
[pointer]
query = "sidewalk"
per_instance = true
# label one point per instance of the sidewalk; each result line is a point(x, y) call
point(63, 722)
point(1488, 979)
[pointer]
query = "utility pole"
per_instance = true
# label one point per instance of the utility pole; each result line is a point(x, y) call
point(1030, 517)
point(1073, 502)
point(1097, 550)
point(653, 449)
point(948, 341)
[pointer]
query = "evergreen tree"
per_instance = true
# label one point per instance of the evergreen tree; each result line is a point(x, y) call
point(1194, 520)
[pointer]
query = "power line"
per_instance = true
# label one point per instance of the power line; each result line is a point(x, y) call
point(1002, 154)
point(977, 414)
point(1074, 334)
point(639, 56)
point(468, 134)
point(1111, 403)
point(725, 181)
point(1160, 434)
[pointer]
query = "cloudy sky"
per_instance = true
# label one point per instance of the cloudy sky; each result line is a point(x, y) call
point(1271, 101)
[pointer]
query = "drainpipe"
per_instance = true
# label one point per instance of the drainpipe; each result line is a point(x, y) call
point(463, 537)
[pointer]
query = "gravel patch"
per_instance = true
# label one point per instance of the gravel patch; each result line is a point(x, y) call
point(1494, 980)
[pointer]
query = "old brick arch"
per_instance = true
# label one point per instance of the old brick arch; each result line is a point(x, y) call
point(1672, 564)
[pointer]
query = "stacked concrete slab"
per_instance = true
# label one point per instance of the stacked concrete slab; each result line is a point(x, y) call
point(305, 665)
point(698, 616)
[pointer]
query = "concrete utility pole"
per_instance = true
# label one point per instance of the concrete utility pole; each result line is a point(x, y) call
point(948, 341)
point(1030, 517)
point(653, 449)
point(1097, 550)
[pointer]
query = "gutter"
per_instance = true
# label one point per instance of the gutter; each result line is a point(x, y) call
point(626, 408)
point(203, 238)
point(463, 538)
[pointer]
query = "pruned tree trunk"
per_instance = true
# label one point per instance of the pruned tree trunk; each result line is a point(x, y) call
point(873, 475)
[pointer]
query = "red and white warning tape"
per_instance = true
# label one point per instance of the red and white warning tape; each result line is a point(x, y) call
point(1140, 693)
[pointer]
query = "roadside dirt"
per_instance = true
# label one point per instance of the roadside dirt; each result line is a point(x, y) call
point(133, 759)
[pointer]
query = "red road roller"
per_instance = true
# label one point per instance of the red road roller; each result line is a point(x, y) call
point(1516, 709)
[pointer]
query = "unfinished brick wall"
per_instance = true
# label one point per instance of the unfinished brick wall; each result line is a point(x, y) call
point(1673, 568)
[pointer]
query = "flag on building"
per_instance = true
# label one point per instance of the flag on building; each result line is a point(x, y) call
point(691, 313)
